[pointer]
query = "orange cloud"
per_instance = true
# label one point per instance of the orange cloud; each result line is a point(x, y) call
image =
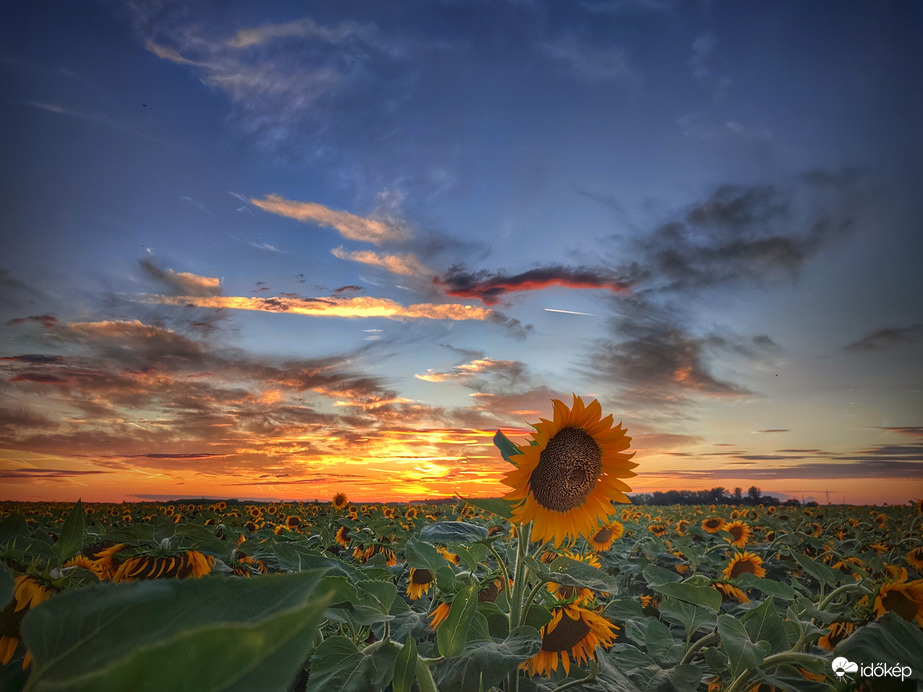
point(349, 225)
point(405, 264)
point(358, 306)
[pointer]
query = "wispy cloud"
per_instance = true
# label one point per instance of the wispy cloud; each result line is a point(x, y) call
point(489, 287)
point(349, 225)
point(304, 28)
point(337, 306)
point(405, 264)
point(887, 338)
point(587, 62)
point(181, 283)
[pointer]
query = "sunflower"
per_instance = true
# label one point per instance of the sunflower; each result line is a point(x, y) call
point(658, 529)
point(578, 594)
point(107, 559)
point(744, 563)
point(566, 480)
point(439, 614)
point(411, 513)
point(489, 593)
point(342, 536)
point(28, 592)
point(86, 563)
point(915, 558)
point(603, 539)
point(681, 527)
point(419, 582)
point(573, 632)
point(713, 524)
point(836, 632)
point(189, 564)
point(340, 501)
point(729, 592)
point(448, 555)
point(905, 599)
point(740, 531)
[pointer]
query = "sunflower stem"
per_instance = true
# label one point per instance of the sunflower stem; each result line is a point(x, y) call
point(777, 659)
point(502, 563)
point(532, 594)
point(700, 644)
point(519, 577)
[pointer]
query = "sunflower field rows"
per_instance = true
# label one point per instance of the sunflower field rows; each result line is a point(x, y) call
point(374, 597)
point(467, 596)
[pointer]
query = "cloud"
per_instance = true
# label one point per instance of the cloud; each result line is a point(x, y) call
point(305, 28)
point(181, 283)
point(337, 306)
point(879, 469)
point(589, 63)
point(512, 372)
point(490, 287)
point(349, 225)
point(46, 474)
point(47, 321)
point(403, 264)
point(886, 338)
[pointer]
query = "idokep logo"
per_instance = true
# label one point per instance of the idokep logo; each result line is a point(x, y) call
point(842, 666)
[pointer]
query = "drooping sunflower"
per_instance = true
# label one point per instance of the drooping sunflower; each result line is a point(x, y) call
point(745, 563)
point(439, 614)
point(903, 598)
point(915, 558)
point(740, 531)
point(566, 480)
point(28, 592)
point(836, 632)
point(658, 529)
point(573, 632)
point(729, 592)
point(190, 564)
point(419, 582)
point(713, 524)
point(340, 500)
point(603, 539)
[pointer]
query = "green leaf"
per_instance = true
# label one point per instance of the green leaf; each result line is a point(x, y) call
point(681, 678)
point(537, 616)
point(656, 575)
point(71, 539)
point(764, 624)
point(891, 640)
point(11, 527)
point(379, 594)
point(405, 667)
point(6, 585)
point(658, 640)
point(338, 666)
point(508, 450)
point(486, 663)
point(818, 570)
point(691, 617)
point(494, 505)
point(423, 555)
point(742, 653)
point(770, 587)
point(452, 635)
point(703, 596)
point(155, 635)
point(575, 573)
point(452, 532)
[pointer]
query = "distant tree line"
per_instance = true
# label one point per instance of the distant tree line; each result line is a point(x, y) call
point(715, 496)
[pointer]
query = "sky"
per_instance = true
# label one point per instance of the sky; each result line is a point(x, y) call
point(278, 251)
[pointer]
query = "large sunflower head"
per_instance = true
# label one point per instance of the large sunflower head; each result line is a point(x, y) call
point(573, 632)
point(740, 532)
point(340, 500)
point(745, 563)
point(567, 479)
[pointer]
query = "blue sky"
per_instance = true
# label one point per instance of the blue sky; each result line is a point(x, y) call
point(280, 251)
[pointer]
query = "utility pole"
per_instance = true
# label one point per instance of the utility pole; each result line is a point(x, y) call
point(828, 496)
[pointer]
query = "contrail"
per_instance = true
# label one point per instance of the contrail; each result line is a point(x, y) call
point(571, 312)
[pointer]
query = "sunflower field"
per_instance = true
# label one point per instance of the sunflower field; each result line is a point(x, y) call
point(550, 588)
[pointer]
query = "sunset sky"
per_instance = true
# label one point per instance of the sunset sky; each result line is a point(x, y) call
point(276, 251)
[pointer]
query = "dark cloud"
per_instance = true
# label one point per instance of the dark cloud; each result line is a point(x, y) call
point(47, 321)
point(343, 289)
point(887, 337)
point(490, 287)
point(38, 377)
point(37, 359)
point(775, 430)
point(875, 468)
point(46, 474)
point(912, 430)
point(180, 283)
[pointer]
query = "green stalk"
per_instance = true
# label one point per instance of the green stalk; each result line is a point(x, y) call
point(519, 578)
point(700, 644)
point(502, 563)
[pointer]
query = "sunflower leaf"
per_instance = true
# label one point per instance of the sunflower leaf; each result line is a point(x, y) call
point(764, 624)
point(692, 617)
point(452, 635)
point(575, 573)
point(703, 596)
point(742, 652)
point(452, 532)
point(818, 570)
point(71, 539)
point(337, 665)
point(422, 555)
point(891, 640)
point(6, 585)
point(405, 667)
point(11, 527)
point(154, 635)
point(507, 448)
point(487, 662)
point(770, 587)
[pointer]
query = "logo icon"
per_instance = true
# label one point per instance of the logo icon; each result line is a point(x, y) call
point(841, 666)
